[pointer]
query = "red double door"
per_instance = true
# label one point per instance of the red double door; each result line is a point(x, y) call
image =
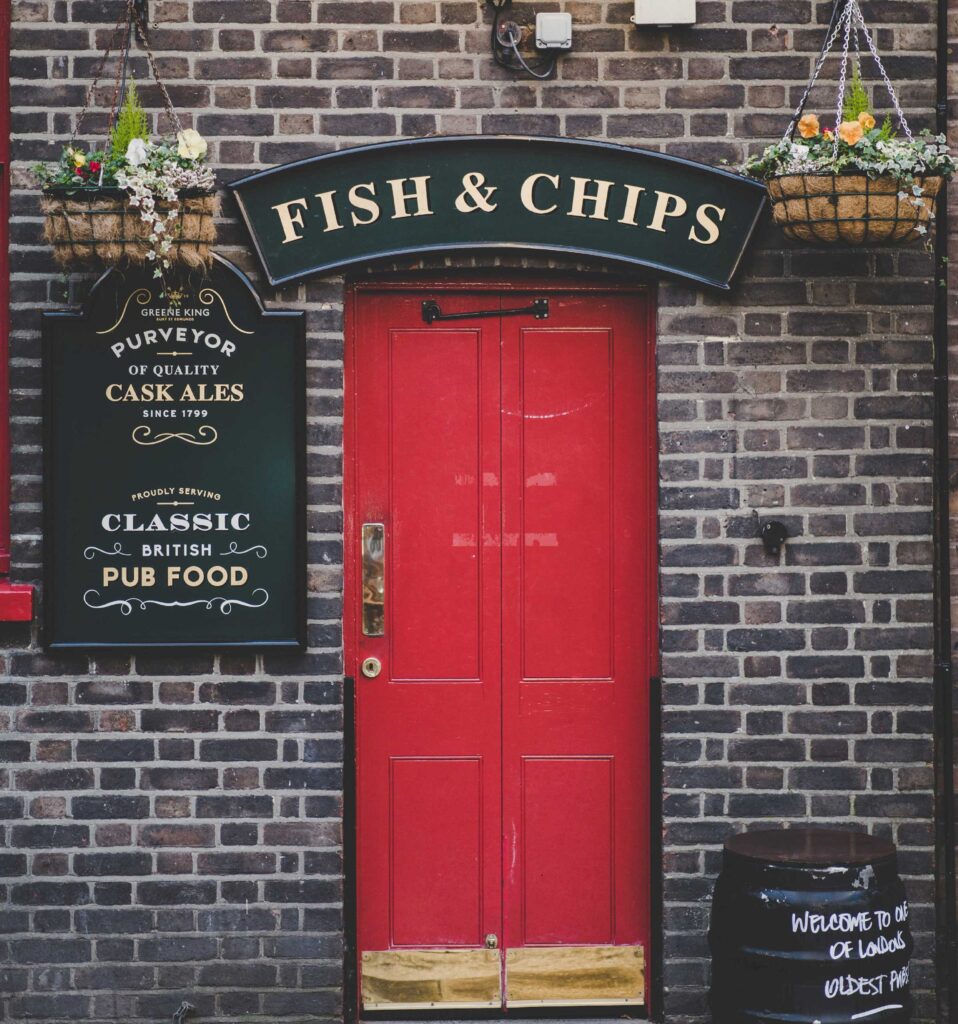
point(502, 631)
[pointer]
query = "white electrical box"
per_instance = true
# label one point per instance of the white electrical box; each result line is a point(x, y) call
point(554, 31)
point(664, 12)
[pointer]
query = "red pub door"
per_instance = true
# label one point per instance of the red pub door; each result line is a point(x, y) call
point(502, 631)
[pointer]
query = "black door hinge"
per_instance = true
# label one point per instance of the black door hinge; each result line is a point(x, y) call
point(431, 312)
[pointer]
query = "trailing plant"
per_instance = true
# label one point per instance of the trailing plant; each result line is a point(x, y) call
point(152, 174)
point(135, 198)
point(863, 148)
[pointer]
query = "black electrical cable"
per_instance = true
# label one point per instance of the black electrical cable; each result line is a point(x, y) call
point(501, 47)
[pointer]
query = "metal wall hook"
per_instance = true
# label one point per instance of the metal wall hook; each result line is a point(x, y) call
point(773, 534)
point(181, 1013)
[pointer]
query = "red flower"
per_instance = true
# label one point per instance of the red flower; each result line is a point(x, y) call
point(94, 165)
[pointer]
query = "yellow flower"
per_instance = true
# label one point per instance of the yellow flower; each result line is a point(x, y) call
point(78, 158)
point(808, 126)
point(850, 132)
point(192, 145)
point(866, 120)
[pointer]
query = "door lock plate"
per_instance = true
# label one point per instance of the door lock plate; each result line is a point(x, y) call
point(371, 667)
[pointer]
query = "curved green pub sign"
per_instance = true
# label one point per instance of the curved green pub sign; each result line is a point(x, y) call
point(593, 199)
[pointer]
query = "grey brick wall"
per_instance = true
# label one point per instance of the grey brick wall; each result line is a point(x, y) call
point(172, 824)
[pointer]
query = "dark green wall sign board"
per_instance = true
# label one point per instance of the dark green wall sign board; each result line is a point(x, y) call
point(174, 469)
point(559, 195)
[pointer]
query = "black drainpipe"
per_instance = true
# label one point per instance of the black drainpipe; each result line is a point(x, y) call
point(946, 959)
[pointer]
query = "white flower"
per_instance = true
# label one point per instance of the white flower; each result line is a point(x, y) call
point(903, 195)
point(921, 229)
point(137, 153)
point(917, 190)
point(190, 144)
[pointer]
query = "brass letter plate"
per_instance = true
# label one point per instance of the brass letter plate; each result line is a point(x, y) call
point(374, 579)
point(575, 976)
point(419, 979)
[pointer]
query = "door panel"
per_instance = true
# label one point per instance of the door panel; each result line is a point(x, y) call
point(567, 806)
point(426, 437)
point(436, 822)
point(435, 417)
point(575, 693)
point(562, 430)
point(502, 751)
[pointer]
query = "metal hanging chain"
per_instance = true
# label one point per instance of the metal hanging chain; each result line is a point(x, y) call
point(129, 23)
point(175, 122)
point(122, 65)
point(88, 99)
point(840, 98)
point(835, 27)
point(856, 16)
point(850, 19)
point(900, 114)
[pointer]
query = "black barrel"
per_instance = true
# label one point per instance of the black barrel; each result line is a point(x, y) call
point(809, 926)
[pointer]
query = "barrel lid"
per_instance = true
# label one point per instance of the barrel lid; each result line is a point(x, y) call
point(813, 847)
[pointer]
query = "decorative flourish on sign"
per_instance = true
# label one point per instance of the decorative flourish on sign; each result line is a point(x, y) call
point(206, 295)
point(143, 435)
point(142, 296)
point(233, 549)
point(90, 552)
point(128, 605)
point(878, 1009)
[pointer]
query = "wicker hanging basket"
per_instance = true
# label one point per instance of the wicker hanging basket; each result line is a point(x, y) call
point(93, 224)
point(851, 209)
point(97, 225)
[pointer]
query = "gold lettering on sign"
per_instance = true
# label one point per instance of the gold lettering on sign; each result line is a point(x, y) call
point(366, 203)
point(528, 192)
point(541, 193)
point(703, 219)
point(600, 199)
point(402, 198)
point(197, 393)
point(329, 211)
point(290, 221)
point(633, 193)
point(476, 194)
point(667, 204)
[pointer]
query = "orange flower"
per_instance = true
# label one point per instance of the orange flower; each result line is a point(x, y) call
point(850, 132)
point(866, 120)
point(808, 126)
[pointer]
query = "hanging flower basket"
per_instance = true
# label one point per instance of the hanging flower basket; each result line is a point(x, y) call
point(86, 226)
point(852, 209)
point(860, 182)
point(137, 200)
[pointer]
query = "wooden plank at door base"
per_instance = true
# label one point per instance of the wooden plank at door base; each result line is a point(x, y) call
point(575, 975)
point(414, 979)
